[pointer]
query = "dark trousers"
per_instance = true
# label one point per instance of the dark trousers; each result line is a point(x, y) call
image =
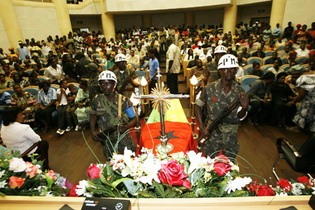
point(61, 114)
point(70, 115)
point(45, 114)
point(152, 85)
point(42, 153)
point(172, 82)
point(259, 111)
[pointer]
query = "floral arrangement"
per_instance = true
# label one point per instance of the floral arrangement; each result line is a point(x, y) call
point(18, 177)
point(177, 175)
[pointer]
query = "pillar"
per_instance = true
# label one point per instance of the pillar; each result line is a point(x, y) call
point(63, 16)
point(107, 22)
point(277, 13)
point(190, 18)
point(230, 16)
point(146, 20)
point(10, 22)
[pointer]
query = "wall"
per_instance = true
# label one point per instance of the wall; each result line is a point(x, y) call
point(37, 22)
point(4, 42)
point(245, 13)
point(165, 19)
point(92, 8)
point(212, 17)
point(93, 22)
point(120, 6)
point(299, 12)
point(127, 21)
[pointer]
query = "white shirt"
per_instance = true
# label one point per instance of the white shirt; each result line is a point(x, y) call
point(239, 73)
point(173, 54)
point(203, 56)
point(54, 74)
point(301, 52)
point(19, 137)
point(198, 51)
point(63, 99)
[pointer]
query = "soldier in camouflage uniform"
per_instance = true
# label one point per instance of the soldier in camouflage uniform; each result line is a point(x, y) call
point(105, 107)
point(218, 95)
point(125, 74)
point(93, 80)
point(213, 74)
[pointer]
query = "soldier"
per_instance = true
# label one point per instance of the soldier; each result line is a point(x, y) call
point(218, 95)
point(115, 115)
point(127, 78)
point(93, 80)
point(213, 74)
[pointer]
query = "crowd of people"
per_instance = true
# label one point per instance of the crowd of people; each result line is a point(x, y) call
point(76, 74)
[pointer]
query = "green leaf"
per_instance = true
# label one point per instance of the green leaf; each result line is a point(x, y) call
point(223, 186)
point(117, 182)
point(131, 186)
point(159, 189)
point(147, 194)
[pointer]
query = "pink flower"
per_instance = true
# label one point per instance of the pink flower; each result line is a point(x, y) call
point(173, 173)
point(51, 174)
point(222, 165)
point(93, 172)
point(31, 170)
point(16, 182)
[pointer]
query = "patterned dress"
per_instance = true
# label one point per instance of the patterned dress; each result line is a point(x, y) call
point(27, 98)
point(216, 100)
point(305, 114)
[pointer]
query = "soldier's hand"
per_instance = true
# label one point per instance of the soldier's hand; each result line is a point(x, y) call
point(244, 100)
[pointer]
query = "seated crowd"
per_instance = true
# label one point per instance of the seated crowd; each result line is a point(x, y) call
point(59, 77)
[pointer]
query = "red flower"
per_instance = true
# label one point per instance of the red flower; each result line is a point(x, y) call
point(304, 180)
point(214, 99)
point(31, 169)
point(173, 173)
point(285, 184)
point(16, 182)
point(72, 192)
point(265, 191)
point(93, 172)
point(222, 165)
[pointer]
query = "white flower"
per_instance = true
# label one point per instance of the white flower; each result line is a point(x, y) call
point(3, 184)
point(237, 184)
point(81, 187)
point(151, 168)
point(282, 193)
point(17, 165)
point(2, 173)
point(297, 188)
point(196, 161)
point(49, 194)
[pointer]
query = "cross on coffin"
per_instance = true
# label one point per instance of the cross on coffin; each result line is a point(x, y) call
point(160, 96)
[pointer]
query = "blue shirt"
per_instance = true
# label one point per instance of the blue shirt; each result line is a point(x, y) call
point(46, 99)
point(153, 65)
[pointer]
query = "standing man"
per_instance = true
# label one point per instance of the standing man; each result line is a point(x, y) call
point(127, 78)
point(218, 95)
point(153, 67)
point(115, 115)
point(93, 80)
point(173, 57)
point(23, 51)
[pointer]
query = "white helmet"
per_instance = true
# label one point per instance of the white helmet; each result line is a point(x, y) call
point(220, 49)
point(107, 75)
point(228, 61)
point(120, 57)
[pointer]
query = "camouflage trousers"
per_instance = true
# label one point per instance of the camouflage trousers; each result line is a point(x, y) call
point(110, 141)
point(226, 141)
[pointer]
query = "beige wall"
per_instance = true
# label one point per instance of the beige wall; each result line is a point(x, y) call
point(152, 5)
point(4, 42)
point(36, 22)
point(299, 12)
point(92, 8)
point(165, 19)
point(127, 21)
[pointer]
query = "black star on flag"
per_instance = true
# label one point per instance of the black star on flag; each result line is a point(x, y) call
point(169, 135)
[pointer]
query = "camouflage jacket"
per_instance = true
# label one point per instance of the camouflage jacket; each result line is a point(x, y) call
point(216, 100)
point(121, 77)
point(93, 86)
point(107, 111)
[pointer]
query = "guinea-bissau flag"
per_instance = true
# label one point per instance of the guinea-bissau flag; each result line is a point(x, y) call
point(177, 129)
